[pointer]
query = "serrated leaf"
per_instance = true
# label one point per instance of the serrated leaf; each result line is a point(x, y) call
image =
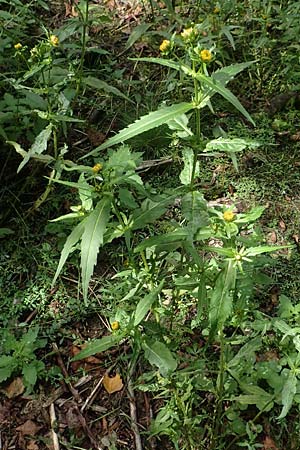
point(221, 300)
point(188, 160)
point(164, 239)
point(288, 393)
point(145, 304)
point(228, 145)
point(69, 246)
point(160, 356)
point(145, 123)
point(92, 238)
point(102, 85)
point(30, 374)
point(151, 211)
point(245, 351)
point(222, 90)
point(194, 209)
point(98, 346)
point(38, 147)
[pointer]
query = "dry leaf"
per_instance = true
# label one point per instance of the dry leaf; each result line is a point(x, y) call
point(32, 445)
point(269, 444)
point(28, 428)
point(15, 388)
point(272, 237)
point(112, 384)
point(282, 225)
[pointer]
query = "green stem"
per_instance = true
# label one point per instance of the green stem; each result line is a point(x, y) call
point(197, 95)
point(220, 391)
point(85, 19)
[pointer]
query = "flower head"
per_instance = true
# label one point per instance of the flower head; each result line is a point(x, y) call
point(18, 46)
point(205, 56)
point(97, 167)
point(187, 33)
point(54, 40)
point(165, 45)
point(216, 10)
point(115, 325)
point(228, 215)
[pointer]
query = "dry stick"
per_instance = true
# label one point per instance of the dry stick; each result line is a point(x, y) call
point(61, 364)
point(92, 395)
point(53, 425)
point(133, 415)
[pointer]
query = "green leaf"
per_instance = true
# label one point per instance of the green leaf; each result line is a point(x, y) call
point(98, 346)
point(69, 247)
point(194, 209)
point(229, 96)
point(160, 356)
point(145, 304)
point(102, 85)
point(253, 251)
point(179, 235)
point(186, 173)
point(92, 238)
point(288, 393)
point(221, 300)
point(151, 211)
point(228, 145)
point(244, 352)
point(180, 125)
point(38, 147)
point(152, 120)
point(5, 232)
point(161, 61)
point(136, 33)
point(255, 396)
point(30, 373)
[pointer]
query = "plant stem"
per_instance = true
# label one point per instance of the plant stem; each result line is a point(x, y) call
point(197, 92)
point(85, 19)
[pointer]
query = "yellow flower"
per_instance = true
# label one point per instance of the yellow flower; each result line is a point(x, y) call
point(18, 46)
point(206, 56)
point(54, 40)
point(164, 45)
point(216, 10)
point(115, 325)
point(228, 215)
point(187, 33)
point(97, 167)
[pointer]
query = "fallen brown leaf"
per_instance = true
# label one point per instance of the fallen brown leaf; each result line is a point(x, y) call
point(112, 384)
point(272, 237)
point(15, 388)
point(29, 428)
point(269, 444)
point(32, 445)
point(282, 225)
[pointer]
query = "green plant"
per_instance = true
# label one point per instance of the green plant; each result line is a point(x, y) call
point(18, 357)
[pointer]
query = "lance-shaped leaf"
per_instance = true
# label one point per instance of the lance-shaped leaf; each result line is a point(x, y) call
point(92, 238)
point(102, 85)
point(288, 393)
point(69, 246)
point(194, 209)
point(151, 210)
point(145, 304)
point(160, 356)
point(145, 123)
point(98, 346)
point(222, 90)
point(221, 300)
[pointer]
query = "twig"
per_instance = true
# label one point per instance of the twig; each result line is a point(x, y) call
point(62, 366)
point(92, 395)
point(53, 426)
point(133, 414)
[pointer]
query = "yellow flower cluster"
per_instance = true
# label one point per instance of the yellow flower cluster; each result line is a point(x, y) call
point(165, 45)
point(18, 46)
point(228, 216)
point(97, 167)
point(54, 40)
point(205, 56)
